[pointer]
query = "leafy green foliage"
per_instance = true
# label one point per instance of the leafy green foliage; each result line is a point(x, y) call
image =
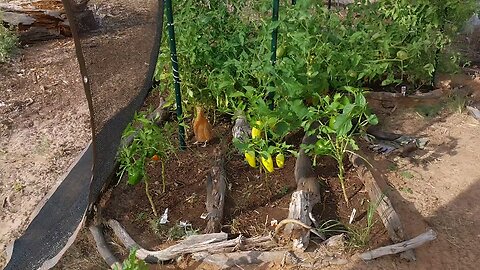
point(325, 60)
point(149, 140)
point(8, 42)
point(150, 143)
point(336, 121)
point(132, 263)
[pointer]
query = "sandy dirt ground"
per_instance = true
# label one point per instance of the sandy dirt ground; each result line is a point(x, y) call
point(44, 125)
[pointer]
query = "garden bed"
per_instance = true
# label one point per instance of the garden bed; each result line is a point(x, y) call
point(253, 199)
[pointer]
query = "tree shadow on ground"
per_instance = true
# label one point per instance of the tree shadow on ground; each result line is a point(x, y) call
point(456, 246)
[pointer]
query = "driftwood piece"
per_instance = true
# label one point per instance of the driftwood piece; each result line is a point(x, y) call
point(103, 249)
point(299, 209)
point(311, 260)
point(36, 20)
point(213, 243)
point(421, 239)
point(474, 112)
point(385, 210)
point(304, 199)
point(216, 188)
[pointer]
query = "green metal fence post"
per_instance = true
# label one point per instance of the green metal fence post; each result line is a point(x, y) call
point(176, 75)
point(276, 4)
point(273, 59)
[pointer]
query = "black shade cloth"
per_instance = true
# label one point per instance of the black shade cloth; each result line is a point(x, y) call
point(117, 56)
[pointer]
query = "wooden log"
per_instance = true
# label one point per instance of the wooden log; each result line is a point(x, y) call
point(215, 242)
point(421, 239)
point(216, 188)
point(103, 249)
point(304, 199)
point(39, 20)
point(390, 218)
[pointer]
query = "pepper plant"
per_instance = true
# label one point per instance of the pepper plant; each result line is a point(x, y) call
point(150, 144)
point(342, 118)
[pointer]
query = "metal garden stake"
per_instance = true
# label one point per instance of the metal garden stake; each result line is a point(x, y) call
point(176, 75)
point(273, 59)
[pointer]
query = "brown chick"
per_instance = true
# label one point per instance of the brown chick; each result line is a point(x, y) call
point(202, 128)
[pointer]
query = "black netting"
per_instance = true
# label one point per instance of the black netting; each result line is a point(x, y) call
point(117, 45)
point(119, 60)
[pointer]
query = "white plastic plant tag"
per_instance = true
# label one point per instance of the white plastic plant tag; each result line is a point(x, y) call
point(352, 216)
point(164, 217)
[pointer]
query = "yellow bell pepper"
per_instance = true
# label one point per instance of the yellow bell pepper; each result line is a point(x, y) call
point(257, 133)
point(250, 158)
point(280, 160)
point(268, 163)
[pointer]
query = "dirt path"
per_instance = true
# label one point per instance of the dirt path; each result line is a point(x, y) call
point(437, 188)
point(44, 124)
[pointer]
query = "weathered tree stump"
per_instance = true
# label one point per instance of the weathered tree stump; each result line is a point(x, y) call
point(39, 20)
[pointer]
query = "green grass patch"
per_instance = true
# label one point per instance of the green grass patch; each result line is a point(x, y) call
point(8, 42)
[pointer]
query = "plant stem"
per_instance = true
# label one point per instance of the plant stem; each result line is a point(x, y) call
point(163, 176)
point(341, 172)
point(147, 192)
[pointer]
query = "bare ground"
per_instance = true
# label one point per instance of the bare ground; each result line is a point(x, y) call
point(44, 125)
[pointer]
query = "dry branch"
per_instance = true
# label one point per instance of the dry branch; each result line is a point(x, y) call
point(312, 260)
point(400, 247)
point(213, 243)
point(385, 210)
point(103, 249)
point(216, 188)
